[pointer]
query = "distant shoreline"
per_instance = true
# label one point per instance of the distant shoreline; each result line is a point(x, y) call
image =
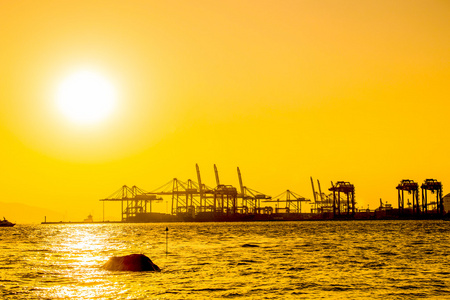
point(404, 218)
point(69, 222)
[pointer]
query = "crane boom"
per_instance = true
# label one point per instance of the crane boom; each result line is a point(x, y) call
point(199, 178)
point(217, 175)
point(200, 187)
point(240, 181)
point(314, 191)
point(320, 191)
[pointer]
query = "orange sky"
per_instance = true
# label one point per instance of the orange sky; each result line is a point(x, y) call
point(338, 90)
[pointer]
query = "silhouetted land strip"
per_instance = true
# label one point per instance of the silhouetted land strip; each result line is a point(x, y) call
point(392, 214)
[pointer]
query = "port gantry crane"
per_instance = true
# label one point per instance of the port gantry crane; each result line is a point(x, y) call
point(322, 203)
point(137, 201)
point(225, 197)
point(292, 201)
point(348, 190)
point(412, 188)
point(251, 199)
point(435, 187)
point(190, 198)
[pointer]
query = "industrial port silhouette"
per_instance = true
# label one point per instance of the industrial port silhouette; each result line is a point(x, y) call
point(194, 201)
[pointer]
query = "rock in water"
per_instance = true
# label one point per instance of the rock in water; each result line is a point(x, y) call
point(132, 262)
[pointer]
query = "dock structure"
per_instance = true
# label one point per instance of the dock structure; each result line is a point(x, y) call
point(413, 189)
point(323, 203)
point(135, 201)
point(193, 199)
point(348, 190)
point(433, 186)
point(251, 199)
point(288, 202)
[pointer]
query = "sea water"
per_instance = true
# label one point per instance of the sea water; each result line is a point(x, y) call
point(267, 260)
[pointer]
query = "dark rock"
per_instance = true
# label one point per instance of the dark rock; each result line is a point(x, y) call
point(132, 262)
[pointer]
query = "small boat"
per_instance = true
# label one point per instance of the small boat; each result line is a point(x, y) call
point(6, 223)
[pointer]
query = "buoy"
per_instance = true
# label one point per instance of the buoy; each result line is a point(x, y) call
point(167, 241)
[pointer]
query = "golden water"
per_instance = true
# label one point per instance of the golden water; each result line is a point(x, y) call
point(277, 260)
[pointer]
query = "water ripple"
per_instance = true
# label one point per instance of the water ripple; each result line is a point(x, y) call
point(313, 260)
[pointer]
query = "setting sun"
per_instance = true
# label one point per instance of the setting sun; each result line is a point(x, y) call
point(86, 97)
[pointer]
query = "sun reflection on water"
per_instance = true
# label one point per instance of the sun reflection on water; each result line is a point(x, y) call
point(82, 249)
point(84, 246)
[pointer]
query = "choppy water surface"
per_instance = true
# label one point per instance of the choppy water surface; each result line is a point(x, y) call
point(309, 260)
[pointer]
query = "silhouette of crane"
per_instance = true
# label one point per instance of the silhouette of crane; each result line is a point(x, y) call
point(435, 187)
point(136, 201)
point(348, 190)
point(292, 202)
point(412, 188)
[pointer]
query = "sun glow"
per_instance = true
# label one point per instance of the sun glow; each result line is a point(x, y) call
point(86, 97)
